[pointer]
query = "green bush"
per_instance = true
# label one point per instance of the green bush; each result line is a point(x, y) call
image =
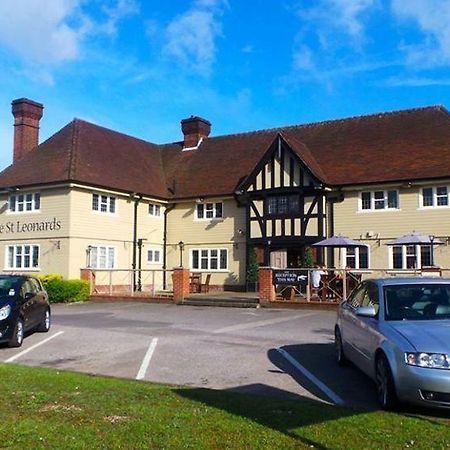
point(65, 291)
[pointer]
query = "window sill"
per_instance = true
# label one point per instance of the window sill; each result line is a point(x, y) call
point(210, 270)
point(388, 210)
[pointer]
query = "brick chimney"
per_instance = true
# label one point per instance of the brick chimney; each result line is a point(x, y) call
point(26, 126)
point(194, 130)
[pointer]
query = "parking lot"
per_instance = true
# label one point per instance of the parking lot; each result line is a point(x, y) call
point(266, 351)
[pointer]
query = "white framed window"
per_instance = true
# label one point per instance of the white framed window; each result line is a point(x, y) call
point(356, 257)
point(379, 200)
point(104, 203)
point(434, 197)
point(22, 257)
point(206, 211)
point(154, 210)
point(154, 256)
point(23, 203)
point(409, 256)
point(101, 257)
point(210, 259)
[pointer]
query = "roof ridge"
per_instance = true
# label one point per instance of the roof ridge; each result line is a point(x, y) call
point(328, 121)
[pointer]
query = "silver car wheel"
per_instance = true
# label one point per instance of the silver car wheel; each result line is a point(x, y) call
point(385, 384)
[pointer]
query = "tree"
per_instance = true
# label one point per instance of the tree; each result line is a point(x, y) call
point(252, 266)
point(309, 260)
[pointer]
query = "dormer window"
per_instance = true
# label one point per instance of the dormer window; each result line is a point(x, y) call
point(29, 202)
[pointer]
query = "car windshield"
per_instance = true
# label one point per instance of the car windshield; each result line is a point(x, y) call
point(417, 302)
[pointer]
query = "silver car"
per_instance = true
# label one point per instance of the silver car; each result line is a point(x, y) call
point(397, 331)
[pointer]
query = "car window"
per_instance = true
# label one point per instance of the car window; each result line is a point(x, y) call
point(357, 297)
point(34, 286)
point(417, 302)
point(371, 297)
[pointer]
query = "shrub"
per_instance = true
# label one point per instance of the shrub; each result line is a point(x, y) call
point(65, 291)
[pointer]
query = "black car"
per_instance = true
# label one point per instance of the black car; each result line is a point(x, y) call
point(24, 306)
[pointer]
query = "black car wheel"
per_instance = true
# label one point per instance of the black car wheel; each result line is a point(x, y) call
point(44, 326)
point(340, 356)
point(386, 395)
point(17, 339)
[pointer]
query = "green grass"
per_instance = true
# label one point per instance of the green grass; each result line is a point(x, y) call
point(43, 408)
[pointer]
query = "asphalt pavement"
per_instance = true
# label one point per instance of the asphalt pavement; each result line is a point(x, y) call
point(278, 352)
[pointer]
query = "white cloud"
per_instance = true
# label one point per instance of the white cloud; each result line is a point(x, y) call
point(117, 12)
point(433, 19)
point(53, 31)
point(38, 29)
point(191, 37)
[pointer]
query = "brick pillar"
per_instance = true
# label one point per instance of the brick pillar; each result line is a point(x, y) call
point(87, 274)
point(180, 284)
point(266, 287)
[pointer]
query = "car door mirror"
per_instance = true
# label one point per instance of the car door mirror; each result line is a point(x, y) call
point(366, 311)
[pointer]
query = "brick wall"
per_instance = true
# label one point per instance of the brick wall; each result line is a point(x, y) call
point(180, 284)
point(266, 287)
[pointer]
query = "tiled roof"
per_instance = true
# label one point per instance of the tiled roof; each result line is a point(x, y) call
point(404, 145)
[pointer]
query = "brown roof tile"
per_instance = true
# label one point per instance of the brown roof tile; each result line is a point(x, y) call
point(403, 145)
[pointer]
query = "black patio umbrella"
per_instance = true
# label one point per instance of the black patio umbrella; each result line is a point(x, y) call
point(338, 242)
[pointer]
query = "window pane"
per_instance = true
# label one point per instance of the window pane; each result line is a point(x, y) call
point(104, 203)
point(392, 199)
point(425, 255)
point(110, 257)
point(200, 211)
point(363, 257)
point(11, 257)
point(379, 200)
point(157, 210)
point(157, 254)
point(441, 196)
point(12, 203)
point(102, 258)
point(195, 264)
point(209, 210)
point(427, 195)
point(204, 259)
point(37, 201)
point(282, 205)
point(397, 255)
point(365, 200)
point(272, 205)
point(223, 259)
point(294, 204)
point(350, 258)
point(218, 209)
point(112, 204)
point(95, 202)
point(150, 255)
point(411, 260)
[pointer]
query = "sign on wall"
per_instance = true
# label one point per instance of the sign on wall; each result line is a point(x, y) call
point(19, 226)
point(293, 277)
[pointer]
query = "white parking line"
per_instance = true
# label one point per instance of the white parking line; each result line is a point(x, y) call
point(147, 358)
point(323, 387)
point(13, 358)
point(260, 323)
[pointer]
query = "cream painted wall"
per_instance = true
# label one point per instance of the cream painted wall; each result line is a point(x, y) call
point(387, 225)
point(220, 233)
point(49, 228)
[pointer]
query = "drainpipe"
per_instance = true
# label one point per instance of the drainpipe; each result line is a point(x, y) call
point(136, 198)
point(166, 212)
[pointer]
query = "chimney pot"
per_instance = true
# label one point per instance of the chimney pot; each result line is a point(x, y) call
point(194, 130)
point(27, 115)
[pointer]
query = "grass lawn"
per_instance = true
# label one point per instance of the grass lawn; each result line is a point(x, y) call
point(43, 408)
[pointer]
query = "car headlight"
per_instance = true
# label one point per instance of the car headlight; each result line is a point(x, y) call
point(4, 312)
point(431, 360)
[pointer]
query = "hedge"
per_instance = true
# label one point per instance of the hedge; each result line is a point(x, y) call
point(65, 291)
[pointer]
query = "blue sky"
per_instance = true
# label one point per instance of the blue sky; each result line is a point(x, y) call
point(140, 66)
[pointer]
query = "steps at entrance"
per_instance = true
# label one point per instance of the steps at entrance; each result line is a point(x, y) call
point(231, 302)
